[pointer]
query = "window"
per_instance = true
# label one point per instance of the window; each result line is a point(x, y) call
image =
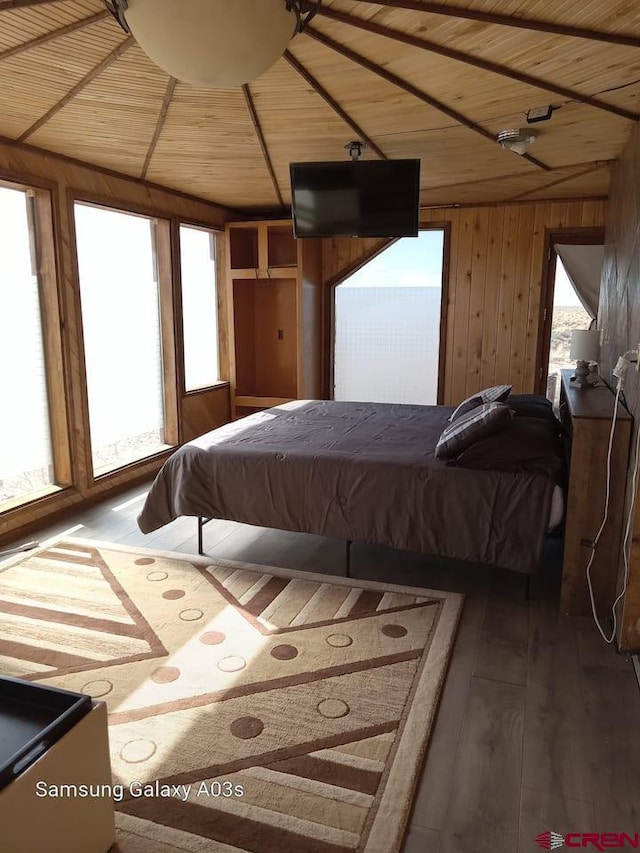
point(122, 329)
point(576, 294)
point(387, 325)
point(199, 307)
point(26, 451)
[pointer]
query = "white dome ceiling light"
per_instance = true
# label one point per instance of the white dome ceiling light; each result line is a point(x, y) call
point(517, 139)
point(214, 43)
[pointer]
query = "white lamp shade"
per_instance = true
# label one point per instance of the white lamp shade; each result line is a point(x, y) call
point(216, 43)
point(585, 345)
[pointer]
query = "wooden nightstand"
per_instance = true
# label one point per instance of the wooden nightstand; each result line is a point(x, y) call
point(587, 414)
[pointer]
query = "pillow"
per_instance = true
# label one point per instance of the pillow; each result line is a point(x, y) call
point(495, 394)
point(524, 446)
point(480, 422)
point(532, 406)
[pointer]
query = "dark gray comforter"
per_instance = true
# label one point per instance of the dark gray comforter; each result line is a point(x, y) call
point(358, 471)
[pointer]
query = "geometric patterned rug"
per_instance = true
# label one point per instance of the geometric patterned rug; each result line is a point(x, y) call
point(274, 711)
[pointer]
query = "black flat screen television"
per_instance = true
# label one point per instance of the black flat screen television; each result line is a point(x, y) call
point(377, 198)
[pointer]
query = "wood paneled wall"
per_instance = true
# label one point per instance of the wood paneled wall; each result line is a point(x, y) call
point(496, 264)
point(64, 179)
point(205, 410)
point(620, 323)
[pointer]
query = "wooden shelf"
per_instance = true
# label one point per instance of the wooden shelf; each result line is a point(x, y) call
point(243, 248)
point(265, 274)
point(281, 246)
point(261, 402)
point(276, 304)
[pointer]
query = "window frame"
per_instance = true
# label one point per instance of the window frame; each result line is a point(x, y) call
point(218, 237)
point(330, 306)
point(42, 206)
point(164, 256)
point(586, 235)
point(222, 304)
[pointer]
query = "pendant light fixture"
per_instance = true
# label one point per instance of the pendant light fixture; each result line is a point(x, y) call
point(214, 43)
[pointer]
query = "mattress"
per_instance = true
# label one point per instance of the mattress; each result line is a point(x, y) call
point(360, 472)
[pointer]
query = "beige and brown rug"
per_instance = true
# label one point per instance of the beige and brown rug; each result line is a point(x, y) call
point(293, 709)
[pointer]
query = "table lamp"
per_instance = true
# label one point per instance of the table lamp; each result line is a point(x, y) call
point(585, 347)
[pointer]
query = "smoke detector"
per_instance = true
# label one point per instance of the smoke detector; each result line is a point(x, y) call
point(517, 139)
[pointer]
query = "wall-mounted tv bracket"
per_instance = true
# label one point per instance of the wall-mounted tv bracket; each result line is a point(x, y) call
point(356, 149)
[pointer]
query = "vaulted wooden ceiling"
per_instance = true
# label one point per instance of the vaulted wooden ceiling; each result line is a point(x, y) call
point(435, 80)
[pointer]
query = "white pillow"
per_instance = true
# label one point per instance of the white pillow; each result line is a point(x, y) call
point(495, 394)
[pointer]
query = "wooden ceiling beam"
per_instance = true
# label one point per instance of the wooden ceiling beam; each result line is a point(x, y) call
point(71, 94)
point(263, 144)
point(162, 117)
point(335, 106)
point(591, 164)
point(563, 180)
point(509, 21)
point(476, 62)
point(411, 90)
point(53, 34)
point(6, 5)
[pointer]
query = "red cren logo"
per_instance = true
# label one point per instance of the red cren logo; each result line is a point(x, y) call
point(600, 841)
point(550, 840)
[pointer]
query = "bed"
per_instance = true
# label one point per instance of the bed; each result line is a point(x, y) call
point(368, 473)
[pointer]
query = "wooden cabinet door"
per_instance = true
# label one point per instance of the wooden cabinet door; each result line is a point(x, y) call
point(276, 338)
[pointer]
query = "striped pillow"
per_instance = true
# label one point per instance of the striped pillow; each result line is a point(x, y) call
point(480, 422)
point(495, 394)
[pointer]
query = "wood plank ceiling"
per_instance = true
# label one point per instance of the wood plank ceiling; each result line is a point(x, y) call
point(435, 80)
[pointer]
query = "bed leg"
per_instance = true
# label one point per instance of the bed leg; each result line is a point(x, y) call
point(200, 536)
point(348, 559)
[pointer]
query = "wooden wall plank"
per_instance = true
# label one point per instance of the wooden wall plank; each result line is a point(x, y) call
point(491, 294)
point(203, 411)
point(507, 284)
point(522, 284)
point(451, 306)
point(310, 318)
point(462, 284)
point(619, 318)
point(478, 284)
point(542, 213)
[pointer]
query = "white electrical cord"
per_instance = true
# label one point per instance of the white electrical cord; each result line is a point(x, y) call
point(619, 373)
point(603, 525)
point(627, 533)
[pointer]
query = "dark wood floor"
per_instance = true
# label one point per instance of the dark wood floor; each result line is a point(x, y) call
point(539, 723)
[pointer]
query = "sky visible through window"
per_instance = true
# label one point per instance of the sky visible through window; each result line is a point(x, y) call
point(409, 262)
point(564, 293)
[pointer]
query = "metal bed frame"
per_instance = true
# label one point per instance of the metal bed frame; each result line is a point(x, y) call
point(202, 521)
